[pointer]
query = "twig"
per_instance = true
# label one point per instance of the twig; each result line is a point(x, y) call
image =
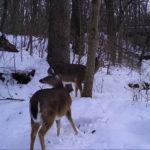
point(14, 99)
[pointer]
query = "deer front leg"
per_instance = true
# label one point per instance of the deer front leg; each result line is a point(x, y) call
point(76, 90)
point(58, 122)
point(79, 85)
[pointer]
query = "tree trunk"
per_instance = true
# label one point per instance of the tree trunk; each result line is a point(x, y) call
point(3, 17)
point(59, 32)
point(92, 42)
point(111, 31)
point(77, 34)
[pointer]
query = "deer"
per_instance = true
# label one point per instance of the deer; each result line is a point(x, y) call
point(74, 73)
point(48, 105)
point(5, 45)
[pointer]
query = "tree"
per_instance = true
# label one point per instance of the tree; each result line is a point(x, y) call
point(59, 31)
point(3, 18)
point(111, 31)
point(92, 43)
point(77, 33)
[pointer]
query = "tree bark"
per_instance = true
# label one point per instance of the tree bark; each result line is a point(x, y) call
point(3, 18)
point(77, 34)
point(59, 32)
point(92, 42)
point(111, 31)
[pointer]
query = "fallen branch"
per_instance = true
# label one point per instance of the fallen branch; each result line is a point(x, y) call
point(14, 99)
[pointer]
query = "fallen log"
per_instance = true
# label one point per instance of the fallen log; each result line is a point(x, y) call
point(13, 99)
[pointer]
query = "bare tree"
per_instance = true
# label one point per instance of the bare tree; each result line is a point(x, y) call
point(59, 31)
point(5, 4)
point(111, 30)
point(77, 33)
point(92, 43)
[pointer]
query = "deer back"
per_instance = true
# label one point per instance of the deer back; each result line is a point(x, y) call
point(74, 72)
point(53, 100)
point(70, 72)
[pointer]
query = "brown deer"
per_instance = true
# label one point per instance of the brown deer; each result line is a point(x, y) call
point(74, 73)
point(5, 45)
point(48, 105)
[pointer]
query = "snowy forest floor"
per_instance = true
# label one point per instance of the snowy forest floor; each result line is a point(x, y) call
point(111, 119)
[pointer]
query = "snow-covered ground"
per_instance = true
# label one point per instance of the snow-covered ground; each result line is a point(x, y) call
point(109, 120)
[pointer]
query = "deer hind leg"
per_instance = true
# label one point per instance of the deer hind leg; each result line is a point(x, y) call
point(76, 90)
point(44, 128)
point(58, 122)
point(79, 86)
point(69, 117)
point(34, 130)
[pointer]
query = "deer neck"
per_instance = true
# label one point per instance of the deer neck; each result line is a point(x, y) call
point(60, 85)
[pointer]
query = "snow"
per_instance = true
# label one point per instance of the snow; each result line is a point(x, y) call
point(108, 120)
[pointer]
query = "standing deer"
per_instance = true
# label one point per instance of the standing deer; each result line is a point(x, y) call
point(48, 105)
point(74, 73)
point(5, 45)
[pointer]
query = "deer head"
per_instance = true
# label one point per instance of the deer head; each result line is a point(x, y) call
point(52, 79)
